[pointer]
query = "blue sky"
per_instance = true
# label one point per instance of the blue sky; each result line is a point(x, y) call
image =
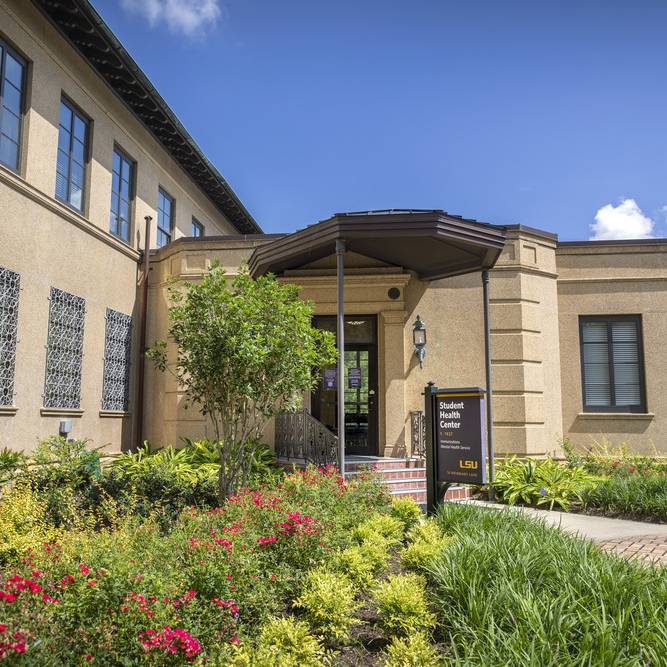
point(536, 112)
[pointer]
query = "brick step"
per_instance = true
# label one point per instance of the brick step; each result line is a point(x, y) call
point(418, 495)
point(400, 484)
point(393, 473)
point(382, 464)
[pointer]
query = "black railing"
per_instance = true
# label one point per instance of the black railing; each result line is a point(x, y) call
point(301, 437)
point(418, 433)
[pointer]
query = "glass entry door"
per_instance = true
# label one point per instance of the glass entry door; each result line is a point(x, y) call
point(361, 416)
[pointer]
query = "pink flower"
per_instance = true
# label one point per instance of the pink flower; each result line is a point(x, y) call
point(91, 582)
point(266, 540)
point(83, 568)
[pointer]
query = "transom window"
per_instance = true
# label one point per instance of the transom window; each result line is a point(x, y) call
point(197, 228)
point(165, 218)
point(72, 152)
point(12, 77)
point(612, 363)
point(122, 178)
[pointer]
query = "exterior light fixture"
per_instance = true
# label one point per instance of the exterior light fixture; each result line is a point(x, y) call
point(419, 339)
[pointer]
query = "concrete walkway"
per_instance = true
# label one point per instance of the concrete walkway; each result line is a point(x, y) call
point(631, 539)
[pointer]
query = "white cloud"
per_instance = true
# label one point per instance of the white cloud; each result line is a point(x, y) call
point(625, 221)
point(186, 16)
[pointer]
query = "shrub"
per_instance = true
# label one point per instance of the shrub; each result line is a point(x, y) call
point(386, 526)
point(542, 482)
point(287, 642)
point(22, 524)
point(58, 462)
point(355, 563)
point(407, 511)
point(412, 651)
point(427, 542)
point(328, 603)
point(12, 464)
point(510, 590)
point(401, 602)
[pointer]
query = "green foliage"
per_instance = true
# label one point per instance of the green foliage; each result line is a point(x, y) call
point(427, 542)
point(640, 494)
point(513, 591)
point(542, 482)
point(401, 602)
point(407, 511)
point(358, 566)
point(287, 642)
point(604, 458)
point(328, 603)
point(412, 651)
point(23, 523)
point(58, 462)
point(384, 525)
point(12, 463)
point(246, 350)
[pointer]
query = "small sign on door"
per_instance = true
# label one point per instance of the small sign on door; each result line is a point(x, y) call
point(354, 378)
point(329, 378)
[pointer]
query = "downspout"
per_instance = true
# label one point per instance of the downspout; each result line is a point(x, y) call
point(141, 367)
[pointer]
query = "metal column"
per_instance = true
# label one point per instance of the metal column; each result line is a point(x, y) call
point(340, 277)
point(489, 392)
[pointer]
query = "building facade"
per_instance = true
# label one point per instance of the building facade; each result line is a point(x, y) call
point(88, 149)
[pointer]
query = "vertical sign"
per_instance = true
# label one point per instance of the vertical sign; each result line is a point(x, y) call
point(329, 378)
point(459, 442)
point(354, 378)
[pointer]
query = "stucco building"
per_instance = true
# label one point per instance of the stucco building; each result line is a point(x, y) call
point(88, 148)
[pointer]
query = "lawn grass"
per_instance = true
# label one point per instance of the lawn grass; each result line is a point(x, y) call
point(512, 591)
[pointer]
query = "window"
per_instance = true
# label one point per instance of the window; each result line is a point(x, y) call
point(64, 353)
point(72, 152)
point(197, 228)
point(165, 218)
point(122, 178)
point(117, 350)
point(9, 310)
point(612, 363)
point(12, 78)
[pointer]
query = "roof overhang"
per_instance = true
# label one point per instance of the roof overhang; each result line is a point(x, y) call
point(433, 244)
point(85, 29)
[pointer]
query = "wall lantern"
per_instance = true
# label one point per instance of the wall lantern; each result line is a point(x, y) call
point(419, 339)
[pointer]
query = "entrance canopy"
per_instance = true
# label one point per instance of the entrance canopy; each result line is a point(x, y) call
point(432, 243)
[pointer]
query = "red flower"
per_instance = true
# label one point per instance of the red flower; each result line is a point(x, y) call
point(91, 582)
point(83, 568)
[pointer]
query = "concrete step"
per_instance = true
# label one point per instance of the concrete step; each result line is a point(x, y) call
point(394, 473)
point(379, 464)
point(400, 484)
point(418, 495)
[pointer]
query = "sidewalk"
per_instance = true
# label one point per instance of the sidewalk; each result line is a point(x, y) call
point(630, 539)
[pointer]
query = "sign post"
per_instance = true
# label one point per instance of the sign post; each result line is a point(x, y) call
point(455, 439)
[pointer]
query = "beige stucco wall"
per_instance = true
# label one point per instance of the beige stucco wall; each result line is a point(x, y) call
point(623, 279)
point(51, 245)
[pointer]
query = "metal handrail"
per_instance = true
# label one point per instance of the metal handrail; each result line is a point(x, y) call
point(300, 436)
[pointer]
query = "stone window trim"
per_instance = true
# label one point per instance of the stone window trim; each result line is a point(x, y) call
point(607, 364)
point(64, 352)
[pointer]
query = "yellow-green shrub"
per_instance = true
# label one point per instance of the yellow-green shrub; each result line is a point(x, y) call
point(381, 524)
point(412, 651)
point(328, 603)
point(401, 602)
point(287, 642)
point(22, 523)
point(356, 564)
point(407, 511)
point(427, 542)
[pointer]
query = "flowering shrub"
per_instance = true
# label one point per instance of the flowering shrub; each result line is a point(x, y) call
point(135, 594)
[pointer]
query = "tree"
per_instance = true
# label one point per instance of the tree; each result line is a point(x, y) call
point(246, 350)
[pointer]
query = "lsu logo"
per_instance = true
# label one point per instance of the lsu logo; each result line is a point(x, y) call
point(468, 465)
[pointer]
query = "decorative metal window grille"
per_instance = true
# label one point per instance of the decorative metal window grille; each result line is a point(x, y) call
point(9, 311)
point(117, 349)
point(64, 355)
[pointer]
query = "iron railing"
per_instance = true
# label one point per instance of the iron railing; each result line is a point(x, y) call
point(301, 437)
point(418, 433)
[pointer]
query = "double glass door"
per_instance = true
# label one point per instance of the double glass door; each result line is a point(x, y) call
point(360, 377)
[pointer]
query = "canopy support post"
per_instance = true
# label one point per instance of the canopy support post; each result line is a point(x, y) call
point(340, 277)
point(489, 390)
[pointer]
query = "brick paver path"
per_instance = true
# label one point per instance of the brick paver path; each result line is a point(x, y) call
point(647, 548)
